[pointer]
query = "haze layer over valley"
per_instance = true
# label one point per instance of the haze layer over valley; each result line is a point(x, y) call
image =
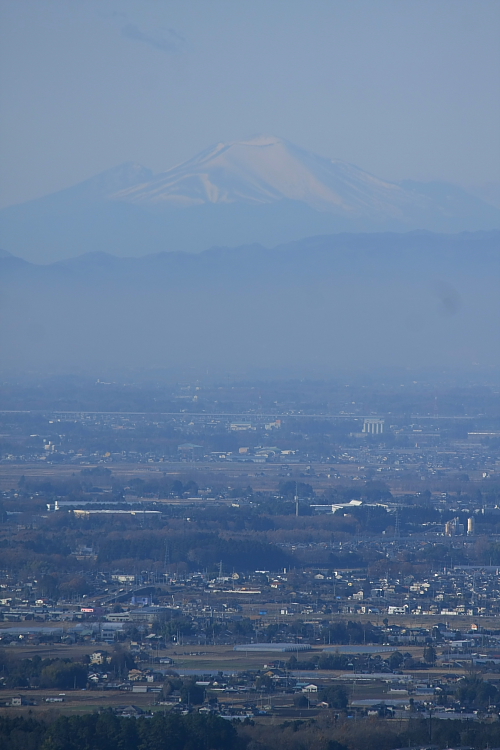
point(309, 307)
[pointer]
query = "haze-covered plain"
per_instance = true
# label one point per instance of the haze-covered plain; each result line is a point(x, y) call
point(314, 306)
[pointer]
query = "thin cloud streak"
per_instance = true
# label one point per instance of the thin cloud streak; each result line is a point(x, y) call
point(157, 41)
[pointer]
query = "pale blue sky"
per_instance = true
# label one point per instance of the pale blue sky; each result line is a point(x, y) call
point(402, 88)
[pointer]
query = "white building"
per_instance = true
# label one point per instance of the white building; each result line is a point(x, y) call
point(373, 426)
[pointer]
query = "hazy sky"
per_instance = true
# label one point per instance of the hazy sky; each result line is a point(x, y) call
point(402, 88)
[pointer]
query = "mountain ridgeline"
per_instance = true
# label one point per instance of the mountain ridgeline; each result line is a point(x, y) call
point(313, 306)
point(264, 190)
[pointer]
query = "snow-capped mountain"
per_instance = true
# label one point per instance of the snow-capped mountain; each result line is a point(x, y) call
point(263, 190)
point(267, 169)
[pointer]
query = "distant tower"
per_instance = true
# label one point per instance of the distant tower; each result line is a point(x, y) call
point(470, 527)
point(373, 426)
point(396, 525)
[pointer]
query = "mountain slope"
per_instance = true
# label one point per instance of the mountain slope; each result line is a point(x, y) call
point(265, 190)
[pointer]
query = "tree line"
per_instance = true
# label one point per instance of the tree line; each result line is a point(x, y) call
point(331, 730)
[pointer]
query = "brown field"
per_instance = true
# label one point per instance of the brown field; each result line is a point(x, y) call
point(262, 477)
point(11, 473)
point(76, 701)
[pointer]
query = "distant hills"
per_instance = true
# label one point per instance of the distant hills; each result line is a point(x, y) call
point(314, 306)
point(264, 190)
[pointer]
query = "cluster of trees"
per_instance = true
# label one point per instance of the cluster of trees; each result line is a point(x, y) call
point(477, 693)
point(336, 696)
point(62, 674)
point(90, 479)
point(105, 731)
point(189, 692)
point(197, 549)
point(352, 632)
point(335, 660)
point(175, 624)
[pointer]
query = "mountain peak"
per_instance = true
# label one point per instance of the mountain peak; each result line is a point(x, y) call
point(264, 169)
point(260, 140)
